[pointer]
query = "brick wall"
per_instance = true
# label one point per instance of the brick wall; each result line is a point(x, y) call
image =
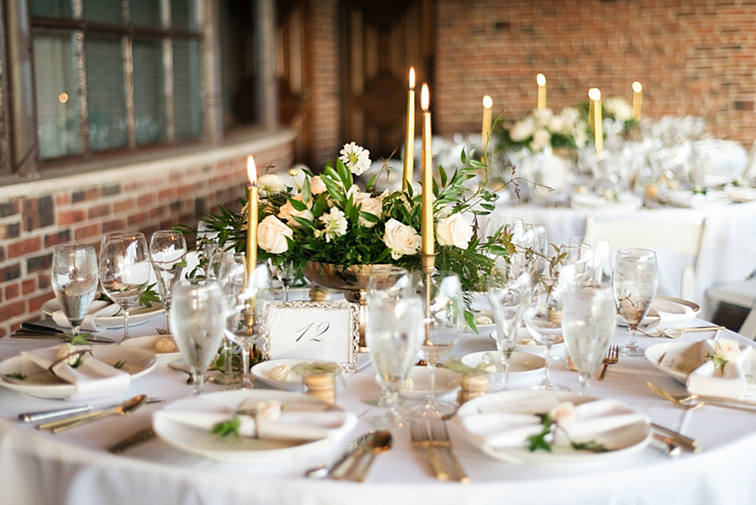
point(693, 57)
point(36, 216)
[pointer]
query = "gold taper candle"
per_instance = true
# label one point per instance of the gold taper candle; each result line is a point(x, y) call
point(486, 130)
point(252, 216)
point(590, 110)
point(409, 141)
point(541, 80)
point(427, 201)
point(595, 96)
point(637, 99)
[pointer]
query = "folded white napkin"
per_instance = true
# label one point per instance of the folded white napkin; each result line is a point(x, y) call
point(508, 430)
point(670, 313)
point(298, 421)
point(92, 378)
point(99, 308)
point(730, 381)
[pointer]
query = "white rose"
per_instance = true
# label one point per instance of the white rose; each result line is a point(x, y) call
point(619, 108)
point(556, 124)
point(726, 349)
point(522, 130)
point(371, 206)
point(271, 183)
point(268, 409)
point(570, 115)
point(542, 116)
point(288, 212)
point(564, 413)
point(317, 185)
point(271, 235)
point(355, 193)
point(541, 139)
point(401, 239)
point(454, 230)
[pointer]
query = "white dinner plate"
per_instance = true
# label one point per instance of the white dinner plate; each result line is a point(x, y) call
point(688, 199)
point(137, 315)
point(625, 440)
point(483, 329)
point(667, 303)
point(446, 381)
point(678, 359)
point(148, 343)
point(526, 343)
point(522, 365)
point(293, 382)
point(43, 384)
point(244, 449)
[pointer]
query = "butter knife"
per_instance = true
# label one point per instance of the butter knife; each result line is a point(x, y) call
point(680, 439)
point(32, 417)
point(132, 440)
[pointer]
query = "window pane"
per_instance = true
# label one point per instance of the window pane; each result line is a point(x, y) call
point(149, 94)
point(187, 100)
point(103, 11)
point(145, 13)
point(105, 92)
point(56, 93)
point(184, 14)
point(52, 8)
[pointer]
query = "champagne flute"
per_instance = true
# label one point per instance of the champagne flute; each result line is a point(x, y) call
point(284, 272)
point(508, 293)
point(231, 274)
point(124, 270)
point(168, 256)
point(444, 321)
point(394, 334)
point(588, 325)
point(198, 320)
point(74, 280)
point(635, 282)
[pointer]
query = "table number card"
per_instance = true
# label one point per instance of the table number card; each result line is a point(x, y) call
point(319, 331)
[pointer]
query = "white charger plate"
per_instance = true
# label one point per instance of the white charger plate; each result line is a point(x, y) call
point(43, 384)
point(148, 343)
point(625, 440)
point(137, 315)
point(244, 450)
point(522, 365)
point(678, 359)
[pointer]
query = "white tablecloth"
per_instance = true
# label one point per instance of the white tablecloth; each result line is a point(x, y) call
point(729, 252)
point(73, 467)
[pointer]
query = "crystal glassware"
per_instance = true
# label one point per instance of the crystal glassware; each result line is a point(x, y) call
point(601, 257)
point(394, 334)
point(588, 324)
point(635, 282)
point(125, 270)
point(198, 320)
point(207, 244)
point(443, 324)
point(74, 280)
point(168, 256)
point(508, 293)
point(231, 272)
point(284, 272)
point(544, 323)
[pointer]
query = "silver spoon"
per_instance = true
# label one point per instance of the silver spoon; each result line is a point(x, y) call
point(380, 441)
point(320, 471)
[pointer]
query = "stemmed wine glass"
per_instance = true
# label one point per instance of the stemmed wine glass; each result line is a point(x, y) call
point(198, 320)
point(508, 293)
point(635, 282)
point(124, 270)
point(601, 257)
point(231, 273)
point(394, 334)
point(443, 323)
point(168, 256)
point(207, 244)
point(74, 280)
point(544, 323)
point(588, 325)
point(284, 272)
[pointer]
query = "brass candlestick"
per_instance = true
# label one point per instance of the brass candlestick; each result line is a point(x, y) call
point(428, 265)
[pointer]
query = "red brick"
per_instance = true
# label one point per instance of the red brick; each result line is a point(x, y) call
point(70, 217)
point(86, 232)
point(12, 291)
point(43, 281)
point(115, 225)
point(24, 247)
point(36, 302)
point(11, 310)
point(123, 206)
point(28, 286)
point(98, 211)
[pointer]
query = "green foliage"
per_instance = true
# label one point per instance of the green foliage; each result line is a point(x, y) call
point(226, 428)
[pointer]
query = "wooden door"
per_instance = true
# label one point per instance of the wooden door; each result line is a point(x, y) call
point(380, 40)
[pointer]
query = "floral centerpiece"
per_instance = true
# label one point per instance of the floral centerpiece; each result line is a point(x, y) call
point(542, 128)
point(329, 220)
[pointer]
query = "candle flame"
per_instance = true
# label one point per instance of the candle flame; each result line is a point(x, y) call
point(251, 170)
point(487, 102)
point(541, 80)
point(594, 94)
point(425, 97)
point(412, 78)
point(637, 87)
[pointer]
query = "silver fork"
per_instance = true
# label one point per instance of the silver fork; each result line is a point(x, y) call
point(612, 357)
point(421, 438)
point(440, 438)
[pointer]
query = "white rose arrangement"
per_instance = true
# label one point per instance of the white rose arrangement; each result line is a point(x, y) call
point(542, 128)
point(725, 350)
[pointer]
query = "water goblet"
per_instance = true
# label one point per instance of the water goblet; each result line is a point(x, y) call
point(394, 334)
point(207, 244)
point(635, 282)
point(601, 256)
point(588, 325)
point(168, 256)
point(544, 323)
point(74, 280)
point(443, 324)
point(231, 273)
point(124, 270)
point(509, 294)
point(198, 320)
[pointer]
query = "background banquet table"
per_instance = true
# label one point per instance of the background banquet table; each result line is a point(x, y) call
point(74, 468)
point(728, 249)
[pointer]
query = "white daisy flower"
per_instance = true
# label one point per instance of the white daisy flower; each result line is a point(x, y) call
point(356, 158)
point(335, 224)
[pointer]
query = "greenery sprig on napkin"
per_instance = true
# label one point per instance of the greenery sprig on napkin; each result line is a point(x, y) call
point(552, 421)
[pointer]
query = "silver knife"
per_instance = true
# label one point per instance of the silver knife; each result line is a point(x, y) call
point(137, 438)
point(64, 336)
point(32, 417)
